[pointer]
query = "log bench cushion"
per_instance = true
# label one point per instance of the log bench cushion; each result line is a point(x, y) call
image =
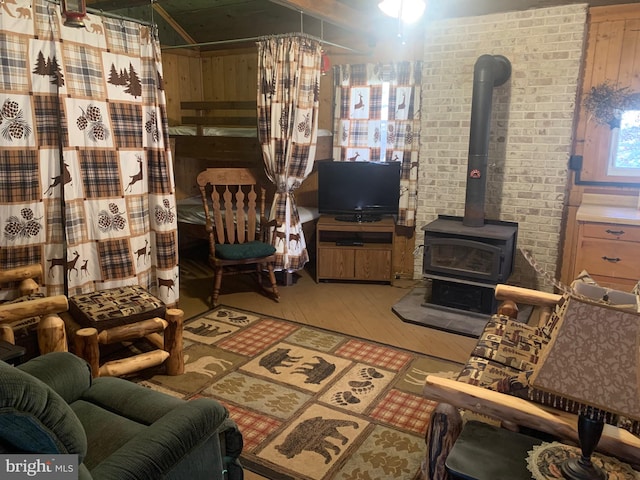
point(113, 307)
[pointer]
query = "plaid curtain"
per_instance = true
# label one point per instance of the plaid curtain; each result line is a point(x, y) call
point(85, 145)
point(288, 101)
point(377, 118)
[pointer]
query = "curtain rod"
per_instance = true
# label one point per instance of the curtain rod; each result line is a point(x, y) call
point(253, 39)
point(119, 17)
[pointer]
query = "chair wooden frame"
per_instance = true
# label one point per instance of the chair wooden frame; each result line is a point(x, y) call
point(233, 216)
point(51, 332)
point(511, 411)
point(168, 346)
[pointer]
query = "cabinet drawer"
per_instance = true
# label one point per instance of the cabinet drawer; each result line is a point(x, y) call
point(611, 231)
point(609, 258)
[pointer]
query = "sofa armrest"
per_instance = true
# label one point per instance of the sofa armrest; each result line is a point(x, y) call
point(130, 400)
point(69, 376)
point(164, 445)
point(614, 441)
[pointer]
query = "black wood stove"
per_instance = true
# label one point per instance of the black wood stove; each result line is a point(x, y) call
point(465, 263)
point(466, 257)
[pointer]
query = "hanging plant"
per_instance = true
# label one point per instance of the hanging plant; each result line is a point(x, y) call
point(606, 102)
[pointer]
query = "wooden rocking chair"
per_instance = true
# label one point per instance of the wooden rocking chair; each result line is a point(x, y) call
point(237, 228)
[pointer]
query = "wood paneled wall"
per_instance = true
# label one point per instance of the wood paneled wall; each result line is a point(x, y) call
point(613, 54)
point(182, 75)
point(223, 75)
point(232, 75)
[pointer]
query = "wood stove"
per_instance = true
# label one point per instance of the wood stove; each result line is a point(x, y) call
point(466, 257)
point(465, 263)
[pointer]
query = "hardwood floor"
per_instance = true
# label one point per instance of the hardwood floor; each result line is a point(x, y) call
point(363, 310)
point(358, 309)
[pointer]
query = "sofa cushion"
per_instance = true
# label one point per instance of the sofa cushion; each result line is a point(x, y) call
point(510, 343)
point(483, 372)
point(115, 306)
point(35, 419)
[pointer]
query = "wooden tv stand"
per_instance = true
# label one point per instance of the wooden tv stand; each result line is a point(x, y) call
point(354, 250)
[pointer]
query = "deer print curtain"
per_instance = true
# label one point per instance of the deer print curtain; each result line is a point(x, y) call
point(288, 101)
point(377, 118)
point(85, 167)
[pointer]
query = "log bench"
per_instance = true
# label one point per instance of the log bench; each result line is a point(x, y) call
point(50, 330)
point(124, 314)
point(512, 412)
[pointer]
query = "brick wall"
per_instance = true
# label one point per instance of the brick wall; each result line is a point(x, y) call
point(531, 126)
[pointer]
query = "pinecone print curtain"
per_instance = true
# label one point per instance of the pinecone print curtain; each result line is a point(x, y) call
point(288, 101)
point(377, 118)
point(95, 95)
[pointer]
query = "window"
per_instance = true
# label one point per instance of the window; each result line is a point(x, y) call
point(624, 155)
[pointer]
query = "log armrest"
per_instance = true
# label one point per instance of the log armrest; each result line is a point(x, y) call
point(51, 332)
point(614, 441)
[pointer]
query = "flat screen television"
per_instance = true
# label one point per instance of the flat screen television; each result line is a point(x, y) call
point(358, 191)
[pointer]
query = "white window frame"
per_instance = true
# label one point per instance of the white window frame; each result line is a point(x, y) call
point(612, 168)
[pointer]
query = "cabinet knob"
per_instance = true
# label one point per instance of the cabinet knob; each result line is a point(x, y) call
point(617, 233)
point(611, 260)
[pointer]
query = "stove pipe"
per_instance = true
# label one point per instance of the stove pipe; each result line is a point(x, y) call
point(489, 71)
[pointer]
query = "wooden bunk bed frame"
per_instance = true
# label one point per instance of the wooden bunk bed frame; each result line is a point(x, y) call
point(196, 150)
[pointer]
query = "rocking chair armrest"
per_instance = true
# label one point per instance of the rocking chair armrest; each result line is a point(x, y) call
point(614, 441)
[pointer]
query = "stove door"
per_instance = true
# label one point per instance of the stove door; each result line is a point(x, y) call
point(463, 258)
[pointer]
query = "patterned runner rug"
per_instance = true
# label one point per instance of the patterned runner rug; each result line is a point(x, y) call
point(311, 403)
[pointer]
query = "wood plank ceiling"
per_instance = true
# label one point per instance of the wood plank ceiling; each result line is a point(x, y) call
point(358, 22)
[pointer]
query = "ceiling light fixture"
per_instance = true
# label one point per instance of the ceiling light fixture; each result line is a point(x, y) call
point(409, 11)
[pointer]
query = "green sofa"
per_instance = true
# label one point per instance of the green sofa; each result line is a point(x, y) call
point(119, 429)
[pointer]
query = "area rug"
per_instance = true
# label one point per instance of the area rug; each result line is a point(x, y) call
point(311, 403)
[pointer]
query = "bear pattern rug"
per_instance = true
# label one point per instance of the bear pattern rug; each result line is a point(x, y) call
point(311, 403)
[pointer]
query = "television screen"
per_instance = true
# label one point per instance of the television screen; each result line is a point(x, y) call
point(358, 191)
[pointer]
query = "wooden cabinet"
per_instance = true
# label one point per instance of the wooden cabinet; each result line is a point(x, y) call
point(609, 253)
point(354, 250)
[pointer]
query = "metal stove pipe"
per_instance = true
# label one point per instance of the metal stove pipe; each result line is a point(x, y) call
point(489, 71)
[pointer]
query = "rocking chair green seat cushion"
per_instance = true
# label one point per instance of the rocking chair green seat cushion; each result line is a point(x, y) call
point(119, 429)
point(242, 251)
